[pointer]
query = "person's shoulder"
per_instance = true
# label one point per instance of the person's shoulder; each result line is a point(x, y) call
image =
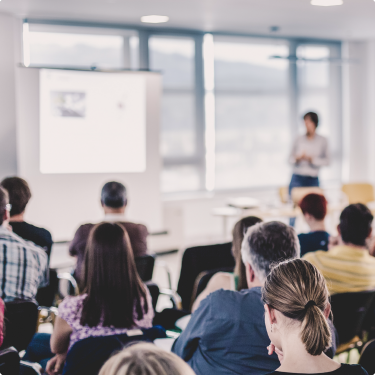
point(352, 369)
point(134, 227)
point(225, 297)
point(321, 137)
point(84, 229)
point(28, 245)
point(42, 232)
point(72, 302)
point(314, 255)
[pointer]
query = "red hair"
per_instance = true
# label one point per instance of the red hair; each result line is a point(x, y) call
point(315, 205)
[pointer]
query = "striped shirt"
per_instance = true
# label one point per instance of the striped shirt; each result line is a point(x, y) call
point(23, 267)
point(345, 268)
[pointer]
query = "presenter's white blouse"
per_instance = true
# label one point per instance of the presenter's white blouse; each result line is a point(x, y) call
point(316, 148)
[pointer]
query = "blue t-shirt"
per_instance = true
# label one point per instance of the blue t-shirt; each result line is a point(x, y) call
point(313, 241)
point(227, 335)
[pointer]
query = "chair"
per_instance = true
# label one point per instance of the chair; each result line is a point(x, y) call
point(9, 361)
point(349, 312)
point(359, 193)
point(298, 193)
point(88, 356)
point(145, 267)
point(203, 279)
point(366, 359)
point(198, 259)
point(20, 323)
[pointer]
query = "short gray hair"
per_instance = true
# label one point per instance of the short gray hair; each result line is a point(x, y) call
point(269, 243)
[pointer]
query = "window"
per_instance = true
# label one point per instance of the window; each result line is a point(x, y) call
point(79, 47)
point(253, 131)
point(317, 92)
point(174, 57)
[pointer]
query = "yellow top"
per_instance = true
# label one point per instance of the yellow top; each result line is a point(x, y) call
point(345, 268)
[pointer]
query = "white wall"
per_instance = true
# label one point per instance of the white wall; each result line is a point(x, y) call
point(61, 202)
point(8, 45)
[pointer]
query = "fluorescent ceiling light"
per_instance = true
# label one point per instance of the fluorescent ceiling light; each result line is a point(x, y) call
point(326, 3)
point(154, 19)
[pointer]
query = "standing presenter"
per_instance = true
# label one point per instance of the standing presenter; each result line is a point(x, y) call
point(309, 154)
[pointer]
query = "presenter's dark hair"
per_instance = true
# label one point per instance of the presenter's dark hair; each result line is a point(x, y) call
point(313, 117)
point(4, 200)
point(114, 195)
point(355, 224)
point(19, 194)
point(114, 289)
point(315, 205)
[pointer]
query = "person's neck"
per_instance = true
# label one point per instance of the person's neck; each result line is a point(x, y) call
point(298, 360)
point(310, 135)
point(114, 211)
point(254, 284)
point(317, 225)
point(17, 218)
point(353, 245)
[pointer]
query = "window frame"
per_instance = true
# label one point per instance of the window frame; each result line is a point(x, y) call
point(198, 160)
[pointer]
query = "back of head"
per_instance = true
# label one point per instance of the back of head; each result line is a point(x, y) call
point(355, 224)
point(298, 290)
point(109, 271)
point(19, 194)
point(4, 200)
point(145, 359)
point(268, 243)
point(114, 195)
point(315, 205)
point(239, 232)
point(313, 117)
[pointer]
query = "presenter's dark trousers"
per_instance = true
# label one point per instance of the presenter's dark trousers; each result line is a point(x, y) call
point(301, 181)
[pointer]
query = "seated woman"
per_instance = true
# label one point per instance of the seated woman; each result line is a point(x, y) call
point(296, 316)
point(145, 359)
point(226, 280)
point(113, 299)
point(314, 209)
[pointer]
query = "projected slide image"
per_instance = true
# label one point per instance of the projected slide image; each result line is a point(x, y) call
point(68, 104)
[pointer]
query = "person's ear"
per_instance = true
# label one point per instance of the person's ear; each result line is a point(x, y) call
point(327, 310)
point(339, 230)
point(249, 274)
point(270, 313)
point(369, 232)
point(101, 203)
point(6, 216)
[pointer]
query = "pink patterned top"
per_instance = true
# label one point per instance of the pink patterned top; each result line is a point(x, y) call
point(70, 309)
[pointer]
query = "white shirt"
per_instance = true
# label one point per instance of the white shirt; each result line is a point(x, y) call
point(316, 148)
point(113, 218)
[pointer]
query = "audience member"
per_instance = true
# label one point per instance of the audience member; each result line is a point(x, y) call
point(145, 359)
point(226, 334)
point(296, 315)
point(23, 265)
point(237, 279)
point(114, 201)
point(314, 209)
point(348, 267)
point(19, 196)
point(113, 300)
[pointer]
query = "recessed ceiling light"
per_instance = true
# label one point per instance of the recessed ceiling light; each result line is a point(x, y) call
point(326, 3)
point(154, 19)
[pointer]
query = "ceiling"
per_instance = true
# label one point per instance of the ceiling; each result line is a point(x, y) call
point(353, 20)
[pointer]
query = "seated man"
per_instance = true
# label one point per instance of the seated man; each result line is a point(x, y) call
point(348, 267)
point(19, 196)
point(226, 334)
point(314, 209)
point(23, 265)
point(114, 201)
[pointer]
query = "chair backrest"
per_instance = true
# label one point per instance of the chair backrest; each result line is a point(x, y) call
point(359, 193)
point(198, 259)
point(284, 194)
point(9, 361)
point(203, 279)
point(367, 357)
point(88, 356)
point(145, 267)
point(20, 323)
point(154, 291)
point(298, 193)
point(349, 311)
